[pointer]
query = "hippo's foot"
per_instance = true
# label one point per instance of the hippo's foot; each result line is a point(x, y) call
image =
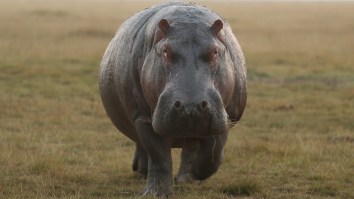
point(140, 162)
point(184, 178)
point(157, 191)
point(159, 180)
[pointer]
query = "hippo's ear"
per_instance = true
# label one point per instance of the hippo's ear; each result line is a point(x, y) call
point(161, 31)
point(164, 25)
point(217, 26)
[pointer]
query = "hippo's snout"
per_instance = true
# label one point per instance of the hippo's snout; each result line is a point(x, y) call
point(193, 111)
point(189, 108)
point(190, 116)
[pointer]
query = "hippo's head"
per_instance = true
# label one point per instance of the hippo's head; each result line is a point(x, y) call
point(188, 79)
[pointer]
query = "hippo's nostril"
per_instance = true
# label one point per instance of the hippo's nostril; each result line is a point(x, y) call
point(178, 104)
point(204, 104)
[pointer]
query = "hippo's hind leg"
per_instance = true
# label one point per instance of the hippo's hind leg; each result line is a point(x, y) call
point(209, 156)
point(140, 161)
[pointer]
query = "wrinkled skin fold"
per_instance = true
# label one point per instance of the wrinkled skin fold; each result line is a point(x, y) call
point(174, 75)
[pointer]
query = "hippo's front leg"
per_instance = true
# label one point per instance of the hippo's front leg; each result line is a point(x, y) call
point(159, 178)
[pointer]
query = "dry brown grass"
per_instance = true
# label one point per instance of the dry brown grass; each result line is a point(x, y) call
point(295, 140)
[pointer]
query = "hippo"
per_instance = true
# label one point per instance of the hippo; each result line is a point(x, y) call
point(174, 76)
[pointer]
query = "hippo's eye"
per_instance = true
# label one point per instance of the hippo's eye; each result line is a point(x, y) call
point(215, 54)
point(213, 57)
point(168, 56)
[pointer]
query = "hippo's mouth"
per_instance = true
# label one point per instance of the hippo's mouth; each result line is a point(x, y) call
point(175, 125)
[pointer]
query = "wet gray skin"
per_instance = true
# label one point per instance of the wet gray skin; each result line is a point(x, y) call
point(174, 76)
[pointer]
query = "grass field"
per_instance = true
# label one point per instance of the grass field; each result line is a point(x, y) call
point(296, 139)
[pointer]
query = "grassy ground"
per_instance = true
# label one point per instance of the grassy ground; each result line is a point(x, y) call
point(295, 140)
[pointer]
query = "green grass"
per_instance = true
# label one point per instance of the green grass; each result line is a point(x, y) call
point(295, 140)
